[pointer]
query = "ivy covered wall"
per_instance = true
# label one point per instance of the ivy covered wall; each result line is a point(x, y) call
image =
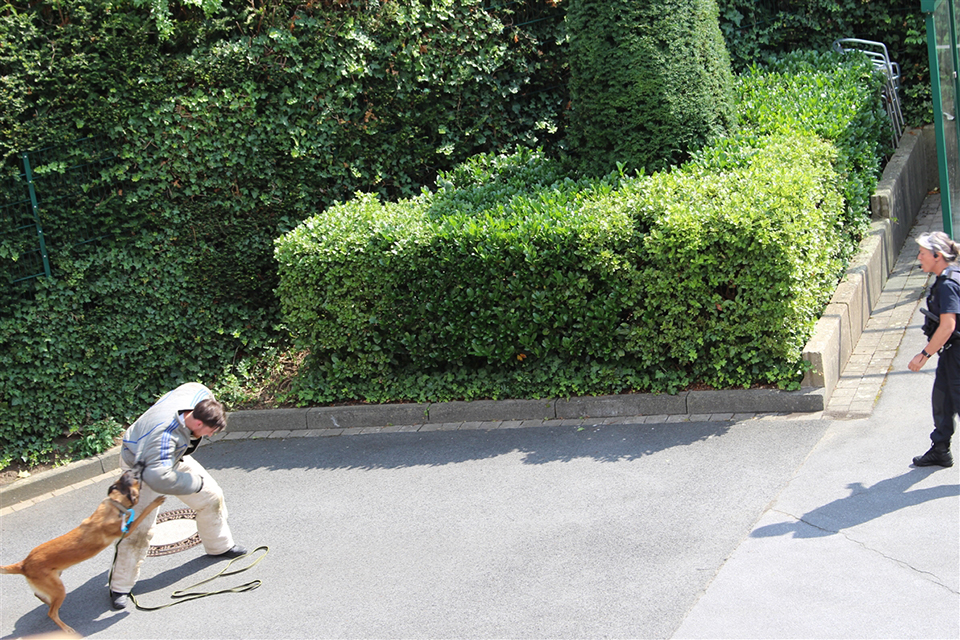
point(227, 126)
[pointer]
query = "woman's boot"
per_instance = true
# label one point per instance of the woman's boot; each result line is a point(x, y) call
point(939, 454)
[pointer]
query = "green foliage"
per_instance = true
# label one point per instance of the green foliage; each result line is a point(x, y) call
point(649, 82)
point(511, 280)
point(96, 438)
point(117, 326)
point(738, 264)
point(160, 10)
point(756, 32)
point(496, 267)
point(682, 276)
point(831, 96)
point(229, 124)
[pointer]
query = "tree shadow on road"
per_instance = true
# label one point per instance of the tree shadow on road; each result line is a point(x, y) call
point(537, 445)
point(862, 505)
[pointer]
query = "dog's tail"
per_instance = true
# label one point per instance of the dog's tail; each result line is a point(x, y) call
point(13, 568)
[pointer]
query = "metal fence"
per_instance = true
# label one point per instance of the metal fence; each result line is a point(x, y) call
point(45, 202)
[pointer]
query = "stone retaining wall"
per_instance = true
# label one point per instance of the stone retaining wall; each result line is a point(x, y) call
point(907, 179)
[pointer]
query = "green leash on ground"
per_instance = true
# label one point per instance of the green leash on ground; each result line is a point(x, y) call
point(186, 595)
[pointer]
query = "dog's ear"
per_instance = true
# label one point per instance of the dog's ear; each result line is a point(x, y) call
point(120, 484)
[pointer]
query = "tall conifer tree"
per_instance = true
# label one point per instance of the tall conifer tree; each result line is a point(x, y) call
point(650, 81)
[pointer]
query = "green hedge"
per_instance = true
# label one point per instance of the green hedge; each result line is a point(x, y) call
point(738, 265)
point(566, 288)
point(758, 32)
point(649, 82)
point(520, 271)
point(512, 280)
point(94, 345)
point(831, 96)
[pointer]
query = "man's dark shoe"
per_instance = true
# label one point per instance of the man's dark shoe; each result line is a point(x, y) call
point(233, 552)
point(119, 600)
point(938, 455)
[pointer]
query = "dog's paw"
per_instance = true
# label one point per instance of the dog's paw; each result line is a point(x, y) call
point(159, 500)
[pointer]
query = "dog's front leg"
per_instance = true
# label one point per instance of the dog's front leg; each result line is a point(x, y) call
point(159, 500)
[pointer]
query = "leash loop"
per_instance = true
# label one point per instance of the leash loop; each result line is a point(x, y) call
point(186, 594)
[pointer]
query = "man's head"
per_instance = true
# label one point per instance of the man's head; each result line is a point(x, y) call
point(208, 416)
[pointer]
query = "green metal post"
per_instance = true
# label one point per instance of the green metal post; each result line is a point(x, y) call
point(36, 213)
point(954, 8)
point(954, 187)
point(929, 7)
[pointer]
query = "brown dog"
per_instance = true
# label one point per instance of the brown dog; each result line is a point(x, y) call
point(43, 565)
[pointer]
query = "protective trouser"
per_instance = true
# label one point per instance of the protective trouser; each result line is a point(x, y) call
point(211, 525)
point(946, 395)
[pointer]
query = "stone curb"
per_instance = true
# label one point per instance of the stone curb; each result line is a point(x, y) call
point(639, 404)
point(897, 199)
point(60, 477)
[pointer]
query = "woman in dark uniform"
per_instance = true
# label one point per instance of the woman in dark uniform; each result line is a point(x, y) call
point(938, 255)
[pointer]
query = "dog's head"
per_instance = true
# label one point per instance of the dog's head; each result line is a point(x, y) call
point(128, 484)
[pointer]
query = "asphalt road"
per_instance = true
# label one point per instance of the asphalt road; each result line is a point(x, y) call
point(594, 532)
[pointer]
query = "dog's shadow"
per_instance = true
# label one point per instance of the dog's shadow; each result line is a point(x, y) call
point(86, 605)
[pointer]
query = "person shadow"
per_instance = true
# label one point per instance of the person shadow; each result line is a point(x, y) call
point(85, 607)
point(862, 505)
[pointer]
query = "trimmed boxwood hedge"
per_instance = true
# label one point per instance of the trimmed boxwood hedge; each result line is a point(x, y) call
point(833, 97)
point(739, 264)
point(758, 32)
point(513, 280)
point(682, 276)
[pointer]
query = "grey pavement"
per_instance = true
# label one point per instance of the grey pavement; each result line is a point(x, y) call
point(689, 526)
point(859, 544)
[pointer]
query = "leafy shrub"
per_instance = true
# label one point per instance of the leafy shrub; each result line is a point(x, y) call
point(692, 275)
point(510, 280)
point(96, 438)
point(737, 265)
point(757, 32)
point(649, 82)
point(835, 97)
point(119, 323)
point(496, 267)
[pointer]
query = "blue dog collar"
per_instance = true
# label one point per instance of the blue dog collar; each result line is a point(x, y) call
point(126, 523)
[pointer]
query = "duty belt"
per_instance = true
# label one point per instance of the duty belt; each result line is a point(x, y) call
point(954, 337)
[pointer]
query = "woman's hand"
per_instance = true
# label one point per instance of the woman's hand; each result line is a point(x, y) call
point(917, 363)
